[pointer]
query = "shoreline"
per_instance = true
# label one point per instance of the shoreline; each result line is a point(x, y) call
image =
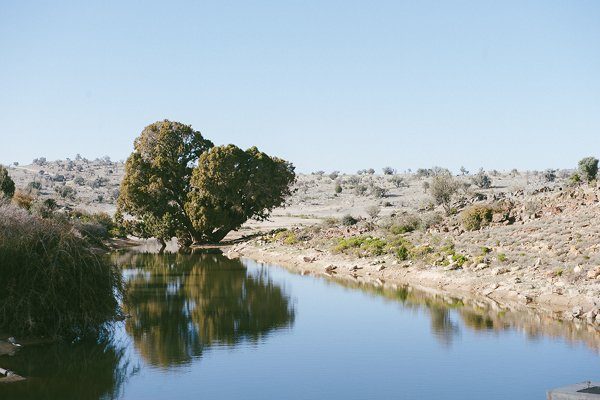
point(502, 290)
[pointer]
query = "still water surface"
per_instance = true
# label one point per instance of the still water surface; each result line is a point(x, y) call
point(206, 327)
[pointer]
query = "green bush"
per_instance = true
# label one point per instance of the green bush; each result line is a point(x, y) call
point(476, 217)
point(7, 185)
point(287, 237)
point(53, 282)
point(363, 245)
point(96, 226)
point(482, 180)
point(348, 220)
point(588, 167)
point(407, 223)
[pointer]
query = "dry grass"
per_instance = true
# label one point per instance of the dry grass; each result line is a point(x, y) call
point(52, 281)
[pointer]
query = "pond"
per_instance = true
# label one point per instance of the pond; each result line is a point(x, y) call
point(204, 326)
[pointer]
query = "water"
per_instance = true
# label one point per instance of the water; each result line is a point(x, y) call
point(203, 326)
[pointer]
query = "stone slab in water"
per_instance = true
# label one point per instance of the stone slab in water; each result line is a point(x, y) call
point(579, 391)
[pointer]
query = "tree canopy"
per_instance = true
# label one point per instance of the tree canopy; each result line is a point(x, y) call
point(178, 184)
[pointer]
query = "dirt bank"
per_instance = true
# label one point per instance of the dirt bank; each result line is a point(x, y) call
point(507, 289)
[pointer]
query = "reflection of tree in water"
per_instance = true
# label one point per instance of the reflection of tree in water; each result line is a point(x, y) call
point(181, 303)
point(442, 326)
point(450, 315)
point(86, 370)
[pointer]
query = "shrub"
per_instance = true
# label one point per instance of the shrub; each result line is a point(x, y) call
point(66, 192)
point(550, 175)
point(44, 209)
point(360, 190)
point(39, 161)
point(443, 187)
point(575, 178)
point(338, 188)
point(99, 182)
point(379, 192)
point(464, 171)
point(370, 171)
point(459, 259)
point(388, 171)
point(423, 173)
point(373, 211)
point(287, 237)
point(407, 223)
point(334, 175)
point(34, 185)
point(348, 220)
point(426, 185)
point(23, 199)
point(588, 167)
point(482, 180)
point(53, 283)
point(353, 180)
point(398, 181)
point(363, 245)
point(79, 180)
point(402, 253)
point(7, 185)
point(477, 216)
point(96, 226)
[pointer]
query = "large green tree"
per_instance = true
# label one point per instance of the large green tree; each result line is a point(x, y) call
point(178, 184)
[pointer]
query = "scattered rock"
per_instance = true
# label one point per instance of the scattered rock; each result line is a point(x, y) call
point(526, 298)
point(330, 268)
point(355, 268)
point(577, 311)
point(381, 268)
point(308, 259)
point(499, 270)
point(480, 266)
point(594, 273)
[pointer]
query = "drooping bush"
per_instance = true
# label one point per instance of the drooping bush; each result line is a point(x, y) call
point(476, 217)
point(53, 283)
point(588, 167)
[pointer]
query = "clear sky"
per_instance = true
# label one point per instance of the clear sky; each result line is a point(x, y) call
point(326, 84)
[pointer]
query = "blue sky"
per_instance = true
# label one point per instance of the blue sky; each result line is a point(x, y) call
point(326, 84)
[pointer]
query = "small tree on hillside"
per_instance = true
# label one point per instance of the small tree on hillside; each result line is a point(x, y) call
point(442, 189)
point(482, 180)
point(388, 171)
point(7, 185)
point(588, 167)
